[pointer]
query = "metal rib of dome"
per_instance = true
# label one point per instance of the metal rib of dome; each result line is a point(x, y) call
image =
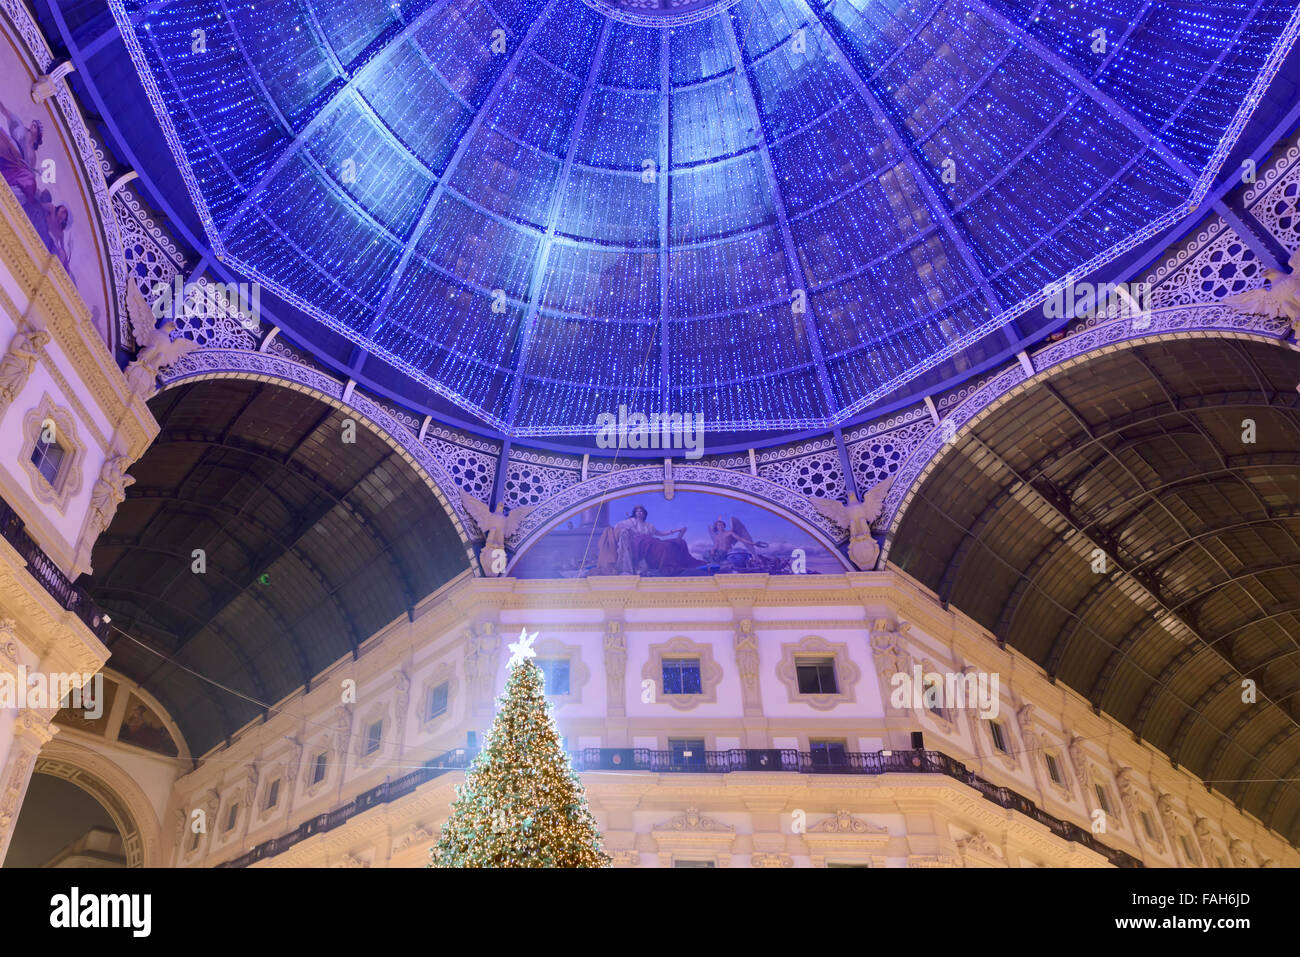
point(771, 212)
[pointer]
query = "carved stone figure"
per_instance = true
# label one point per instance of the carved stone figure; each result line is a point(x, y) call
point(1240, 853)
point(857, 515)
point(888, 648)
point(109, 491)
point(343, 728)
point(158, 346)
point(615, 659)
point(295, 757)
point(401, 698)
point(1165, 807)
point(496, 526)
point(481, 647)
point(979, 843)
point(747, 652)
point(1077, 757)
point(1127, 790)
point(19, 361)
point(693, 820)
point(844, 822)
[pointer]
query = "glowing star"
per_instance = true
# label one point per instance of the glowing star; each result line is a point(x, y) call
point(522, 649)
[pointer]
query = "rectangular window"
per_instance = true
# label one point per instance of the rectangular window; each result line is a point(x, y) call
point(835, 864)
point(1053, 769)
point(318, 768)
point(688, 751)
point(194, 844)
point(1147, 824)
point(679, 863)
point(816, 675)
point(556, 671)
point(374, 737)
point(437, 701)
point(1188, 850)
point(273, 794)
point(47, 457)
point(999, 737)
point(1103, 801)
point(682, 676)
point(232, 817)
point(828, 753)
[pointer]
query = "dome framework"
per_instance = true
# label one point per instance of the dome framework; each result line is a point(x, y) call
point(772, 213)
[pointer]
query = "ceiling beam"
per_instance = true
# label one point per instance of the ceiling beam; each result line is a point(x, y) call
point(362, 68)
point(537, 284)
point(903, 146)
point(807, 320)
point(1089, 88)
point(434, 195)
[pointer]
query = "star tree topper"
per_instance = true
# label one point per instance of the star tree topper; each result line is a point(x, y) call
point(522, 650)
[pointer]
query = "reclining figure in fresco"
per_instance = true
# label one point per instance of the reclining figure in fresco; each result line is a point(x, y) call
point(634, 547)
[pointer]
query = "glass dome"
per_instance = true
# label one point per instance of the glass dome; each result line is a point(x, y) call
point(773, 213)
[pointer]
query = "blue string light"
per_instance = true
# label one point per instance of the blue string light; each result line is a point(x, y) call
point(935, 165)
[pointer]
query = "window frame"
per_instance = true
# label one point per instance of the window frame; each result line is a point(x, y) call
point(68, 480)
point(680, 663)
point(377, 740)
point(824, 665)
point(826, 744)
point(845, 672)
point(40, 457)
point(998, 735)
point(1053, 769)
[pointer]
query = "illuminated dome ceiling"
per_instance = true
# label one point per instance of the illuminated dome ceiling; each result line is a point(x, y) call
point(775, 213)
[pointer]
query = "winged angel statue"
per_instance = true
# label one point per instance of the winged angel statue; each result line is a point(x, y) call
point(1279, 300)
point(496, 527)
point(157, 347)
point(857, 517)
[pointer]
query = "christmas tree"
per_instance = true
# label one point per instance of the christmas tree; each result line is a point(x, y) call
point(521, 804)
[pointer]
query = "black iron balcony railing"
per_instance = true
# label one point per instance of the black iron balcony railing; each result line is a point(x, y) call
point(707, 762)
point(43, 569)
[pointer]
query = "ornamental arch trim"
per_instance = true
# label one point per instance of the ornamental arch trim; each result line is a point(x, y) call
point(115, 790)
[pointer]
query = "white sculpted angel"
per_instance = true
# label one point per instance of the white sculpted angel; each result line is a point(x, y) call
point(1279, 300)
point(857, 517)
point(497, 526)
point(157, 347)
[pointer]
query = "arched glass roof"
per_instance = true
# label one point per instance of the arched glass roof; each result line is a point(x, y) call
point(770, 212)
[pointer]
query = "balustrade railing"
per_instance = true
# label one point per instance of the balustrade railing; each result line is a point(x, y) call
point(42, 568)
point(706, 762)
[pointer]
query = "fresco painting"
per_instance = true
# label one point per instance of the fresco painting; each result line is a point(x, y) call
point(696, 533)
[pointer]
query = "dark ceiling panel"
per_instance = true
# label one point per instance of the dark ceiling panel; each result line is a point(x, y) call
point(1141, 453)
point(312, 544)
